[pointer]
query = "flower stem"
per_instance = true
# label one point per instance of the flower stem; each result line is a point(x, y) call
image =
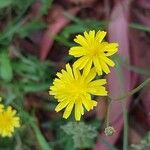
point(125, 131)
point(108, 112)
point(125, 114)
point(131, 92)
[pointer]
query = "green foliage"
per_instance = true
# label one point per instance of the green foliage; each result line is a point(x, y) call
point(83, 135)
point(29, 28)
point(46, 4)
point(32, 69)
point(25, 30)
point(20, 7)
point(5, 3)
point(17, 25)
point(22, 74)
point(33, 75)
point(139, 27)
point(78, 26)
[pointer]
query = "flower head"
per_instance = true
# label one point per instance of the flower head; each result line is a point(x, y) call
point(92, 51)
point(8, 121)
point(75, 88)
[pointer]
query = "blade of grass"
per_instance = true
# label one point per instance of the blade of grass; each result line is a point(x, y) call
point(6, 72)
point(43, 143)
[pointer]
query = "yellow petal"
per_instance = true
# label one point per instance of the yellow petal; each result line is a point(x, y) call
point(69, 70)
point(86, 35)
point(87, 68)
point(92, 34)
point(66, 76)
point(76, 73)
point(77, 111)
point(111, 48)
point(99, 91)
point(77, 51)
point(108, 61)
point(80, 61)
point(90, 76)
point(81, 108)
point(59, 75)
point(81, 40)
point(86, 102)
point(93, 103)
point(105, 67)
point(62, 105)
point(68, 110)
point(97, 83)
point(100, 35)
point(83, 64)
point(97, 66)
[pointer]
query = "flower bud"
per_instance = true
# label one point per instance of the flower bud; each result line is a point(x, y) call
point(109, 131)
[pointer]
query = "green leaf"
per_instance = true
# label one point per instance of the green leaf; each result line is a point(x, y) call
point(72, 29)
point(140, 27)
point(5, 3)
point(83, 135)
point(6, 72)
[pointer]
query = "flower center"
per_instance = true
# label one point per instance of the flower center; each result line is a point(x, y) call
point(94, 50)
point(78, 88)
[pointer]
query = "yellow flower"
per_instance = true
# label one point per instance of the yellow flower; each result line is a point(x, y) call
point(73, 88)
point(8, 121)
point(92, 51)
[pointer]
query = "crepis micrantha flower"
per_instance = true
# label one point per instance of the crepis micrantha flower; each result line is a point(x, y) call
point(73, 89)
point(92, 51)
point(8, 120)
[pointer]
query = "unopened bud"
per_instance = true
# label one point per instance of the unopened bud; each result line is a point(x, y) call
point(109, 131)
